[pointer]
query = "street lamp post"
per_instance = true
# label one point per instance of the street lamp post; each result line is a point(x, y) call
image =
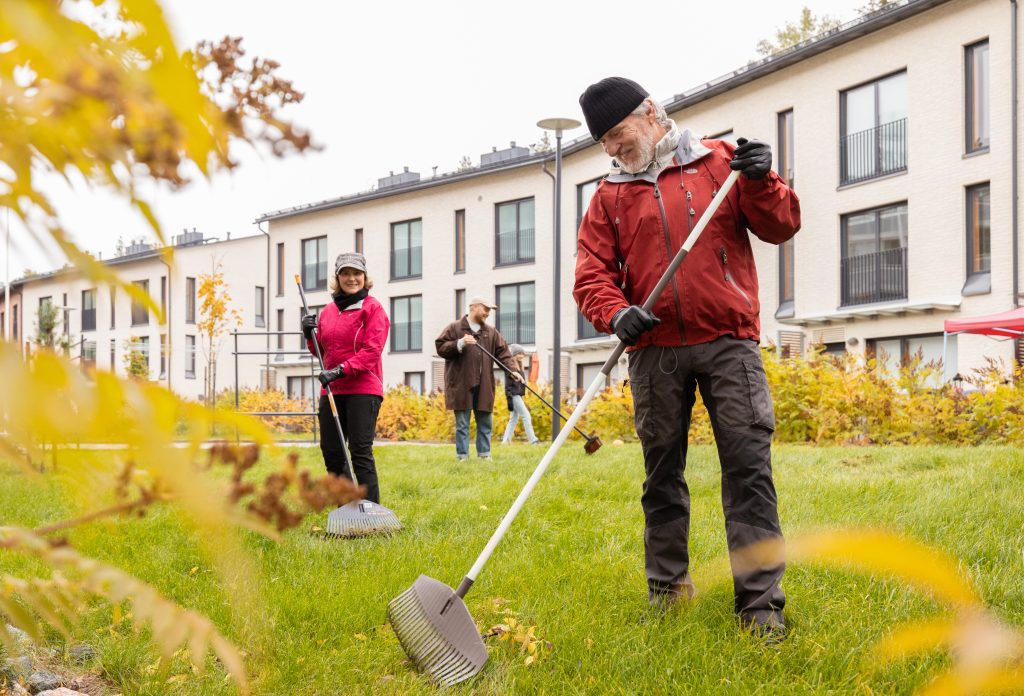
point(558, 125)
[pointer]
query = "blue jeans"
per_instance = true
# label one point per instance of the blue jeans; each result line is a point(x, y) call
point(519, 410)
point(483, 432)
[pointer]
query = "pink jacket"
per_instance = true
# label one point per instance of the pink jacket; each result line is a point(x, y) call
point(354, 338)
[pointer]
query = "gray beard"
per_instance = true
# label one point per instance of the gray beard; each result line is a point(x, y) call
point(646, 147)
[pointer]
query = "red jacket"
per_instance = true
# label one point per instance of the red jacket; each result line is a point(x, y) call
point(354, 338)
point(635, 225)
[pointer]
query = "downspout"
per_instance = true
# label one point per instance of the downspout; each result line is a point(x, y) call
point(556, 360)
point(1013, 151)
point(266, 312)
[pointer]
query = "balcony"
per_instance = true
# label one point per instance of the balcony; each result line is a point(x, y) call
point(872, 153)
point(876, 277)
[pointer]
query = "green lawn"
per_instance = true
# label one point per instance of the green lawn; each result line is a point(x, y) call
point(571, 565)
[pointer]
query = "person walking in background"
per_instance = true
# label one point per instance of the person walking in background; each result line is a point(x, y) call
point(352, 330)
point(702, 332)
point(515, 390)
point(469, 374)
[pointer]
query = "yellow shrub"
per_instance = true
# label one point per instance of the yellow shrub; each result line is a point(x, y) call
point(270, 401)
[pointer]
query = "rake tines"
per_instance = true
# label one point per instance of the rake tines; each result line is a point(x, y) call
point(436, 631)
point(362, 518)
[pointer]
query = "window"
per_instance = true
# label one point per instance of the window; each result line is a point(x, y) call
point(460, 303)
point(261, 317)
point(584, 192)
point(407, 324)
point(515, 318)
point(88, 358)
point(359, 241)
point(113, 355)
point(190, 357)
point(300, 388)
point(65, 319)
point(280, 269)
point(113, 304)
point(141, 344)
point(874, 248)
point(140, 312)
point(163, 297)
point(314, 263)
point(979, 241)
point(280, 336)
point(976, 98)
point(190, 300)
point(406, 249)
point(513, 231)
point(89, 310)
point(896, 352)
point(14, 322)
point(415, 380)
point(785, 169)
point(784, 166)
point(873, 129)
point(460, 241)
point(584, 329)
point(163, 356)
point(586, 373)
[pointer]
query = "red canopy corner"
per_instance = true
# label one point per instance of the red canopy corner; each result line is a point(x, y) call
point(1010, 324)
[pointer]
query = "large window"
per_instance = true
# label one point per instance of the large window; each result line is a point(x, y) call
point(88, 356)
point(976, 98)
point(163, 297)
point(190, 357)
point(515, 320)
point(140, 312)
point(113, 306)
point(406, 249)
point(190, 300)
point(261, 317)
point(896, 352)
point(314, 309)
point(979, 240)
point(874, 263)
point(513, 233)
point(280, 269)
point(415, 381)
point(785, 167)
point(460, 241)
point(873, 125)
point(163, 356)
point(407, 324)
point(89, 310)
point(584, 192)
point(314, 263)
point(785, 164)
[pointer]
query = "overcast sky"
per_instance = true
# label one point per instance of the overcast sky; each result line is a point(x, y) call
point(421, 84)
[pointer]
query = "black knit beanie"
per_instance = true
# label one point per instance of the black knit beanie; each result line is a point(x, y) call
point(607, 102)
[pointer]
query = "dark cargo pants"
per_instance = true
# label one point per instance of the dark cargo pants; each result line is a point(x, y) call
point(732, 384)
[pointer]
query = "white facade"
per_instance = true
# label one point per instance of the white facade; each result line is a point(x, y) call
point(106, 330)
point(924, 43)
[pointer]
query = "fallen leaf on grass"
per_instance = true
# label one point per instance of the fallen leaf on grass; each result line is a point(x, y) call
point(359, 636)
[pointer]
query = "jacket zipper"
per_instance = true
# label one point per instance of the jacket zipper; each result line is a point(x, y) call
point(732, 281)
point(671, 254)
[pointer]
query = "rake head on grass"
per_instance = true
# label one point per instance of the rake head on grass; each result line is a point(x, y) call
point(362, 518)
point(436, 631)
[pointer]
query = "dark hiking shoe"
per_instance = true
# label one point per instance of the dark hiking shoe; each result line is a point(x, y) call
point(769, 628)
point(664, 600)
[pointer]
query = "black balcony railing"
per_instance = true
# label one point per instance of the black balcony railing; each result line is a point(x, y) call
point(874, 152)
point(517, 327)
point(514, 246)
point(875, 277)
point(585, 330)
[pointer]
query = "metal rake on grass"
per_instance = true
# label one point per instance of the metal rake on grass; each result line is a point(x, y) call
point(431, 620)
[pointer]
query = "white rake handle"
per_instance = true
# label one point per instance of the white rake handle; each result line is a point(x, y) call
point(594, 387)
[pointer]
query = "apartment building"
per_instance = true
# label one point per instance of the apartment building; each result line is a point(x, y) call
point(101, 324)
point(896, 130)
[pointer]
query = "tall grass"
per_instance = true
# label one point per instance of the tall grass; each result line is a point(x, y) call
point(572, 568)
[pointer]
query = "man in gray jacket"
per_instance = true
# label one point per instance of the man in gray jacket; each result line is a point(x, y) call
point(469, 374)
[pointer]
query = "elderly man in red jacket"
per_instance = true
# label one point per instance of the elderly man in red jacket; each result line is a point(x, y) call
point(703, 331)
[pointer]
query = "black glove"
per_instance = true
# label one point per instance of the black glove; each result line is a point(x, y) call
point(308, 324)
point(328, 376)
point(752, 157)
point(632, 321)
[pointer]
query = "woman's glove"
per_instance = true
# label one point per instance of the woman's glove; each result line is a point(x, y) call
point(328, 376)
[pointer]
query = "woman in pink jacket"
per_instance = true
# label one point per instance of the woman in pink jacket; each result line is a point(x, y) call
point(352, 331)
